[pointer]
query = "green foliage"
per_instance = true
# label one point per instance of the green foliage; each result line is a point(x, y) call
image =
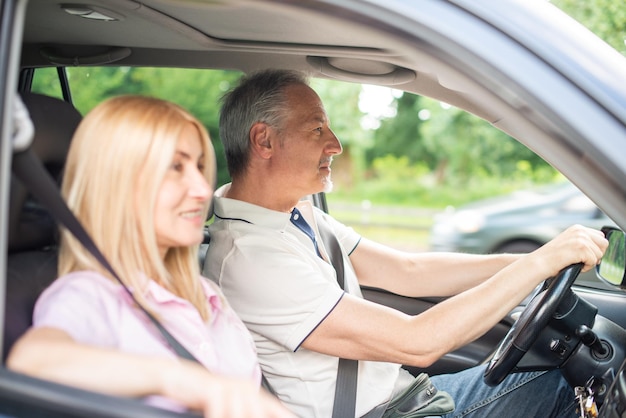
point(420, 192)
point(402, 134)
point(453, 144)
point(398, 169)
point(396, 181)
point(605, 18)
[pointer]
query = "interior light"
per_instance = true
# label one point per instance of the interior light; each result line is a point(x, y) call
point(91, 12)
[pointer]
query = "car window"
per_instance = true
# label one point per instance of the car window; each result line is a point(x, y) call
point(46, 81)
point(447, 181)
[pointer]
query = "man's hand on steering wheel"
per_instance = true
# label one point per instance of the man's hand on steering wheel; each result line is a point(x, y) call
point(576, 249)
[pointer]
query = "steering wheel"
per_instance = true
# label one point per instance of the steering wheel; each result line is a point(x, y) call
point(531, 322)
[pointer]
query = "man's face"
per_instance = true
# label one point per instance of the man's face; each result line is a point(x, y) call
point(308, 143)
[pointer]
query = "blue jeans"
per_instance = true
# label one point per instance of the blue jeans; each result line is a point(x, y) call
point(523, 395)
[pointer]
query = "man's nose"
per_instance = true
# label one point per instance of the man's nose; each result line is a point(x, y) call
point(334, 145)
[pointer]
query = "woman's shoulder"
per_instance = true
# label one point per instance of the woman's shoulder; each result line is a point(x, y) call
point(83, 283)
point(85, 305)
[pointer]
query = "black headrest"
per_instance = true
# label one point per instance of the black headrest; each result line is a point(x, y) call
point(30, 225)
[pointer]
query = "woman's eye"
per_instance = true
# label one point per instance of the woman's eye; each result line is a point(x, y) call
point(201, 167)
point(177, 166)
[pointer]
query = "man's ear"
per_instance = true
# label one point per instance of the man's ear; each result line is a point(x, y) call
point(260, 141)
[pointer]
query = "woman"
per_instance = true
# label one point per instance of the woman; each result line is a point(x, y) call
point(138, 177)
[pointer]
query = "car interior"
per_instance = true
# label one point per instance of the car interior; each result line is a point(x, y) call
point(325, 41)
point(359, 55)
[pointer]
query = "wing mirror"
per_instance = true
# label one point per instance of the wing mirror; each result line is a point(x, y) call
point(612, 268)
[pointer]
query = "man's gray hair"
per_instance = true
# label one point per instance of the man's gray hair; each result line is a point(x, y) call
point(259, 97)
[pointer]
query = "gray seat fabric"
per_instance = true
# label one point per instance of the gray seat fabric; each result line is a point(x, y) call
point(32, 258)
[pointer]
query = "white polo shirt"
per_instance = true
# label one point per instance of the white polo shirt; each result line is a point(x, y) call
point(282, 290)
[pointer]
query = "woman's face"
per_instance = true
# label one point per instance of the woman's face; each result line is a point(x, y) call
point(183, 196)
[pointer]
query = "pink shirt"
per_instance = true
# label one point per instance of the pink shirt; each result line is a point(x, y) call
point(97, 311)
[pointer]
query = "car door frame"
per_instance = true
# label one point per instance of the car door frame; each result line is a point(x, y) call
point(12, 14)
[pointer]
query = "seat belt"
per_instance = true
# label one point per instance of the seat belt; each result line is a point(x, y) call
point(344, 405)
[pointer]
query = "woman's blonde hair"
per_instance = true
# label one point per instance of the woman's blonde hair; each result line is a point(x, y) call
point(115, 167)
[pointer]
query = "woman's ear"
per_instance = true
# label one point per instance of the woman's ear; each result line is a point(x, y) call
point(260, 140)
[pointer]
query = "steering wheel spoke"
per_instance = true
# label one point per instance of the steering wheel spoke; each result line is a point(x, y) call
point(529, 325)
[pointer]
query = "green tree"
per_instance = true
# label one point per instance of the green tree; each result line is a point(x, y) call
point(452, 143)
point(401, 135)
point(464, 146)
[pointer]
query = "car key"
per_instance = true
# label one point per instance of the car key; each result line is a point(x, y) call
point(586, 403)
point(580, 393)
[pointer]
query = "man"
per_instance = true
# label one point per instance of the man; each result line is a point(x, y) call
point(279, 148)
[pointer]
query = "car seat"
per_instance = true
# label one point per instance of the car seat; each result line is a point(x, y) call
point(32, 235)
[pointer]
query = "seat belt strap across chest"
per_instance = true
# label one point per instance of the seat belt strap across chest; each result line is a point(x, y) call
point(344, 405)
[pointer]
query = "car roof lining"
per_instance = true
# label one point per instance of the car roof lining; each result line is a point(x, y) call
point(192, 40)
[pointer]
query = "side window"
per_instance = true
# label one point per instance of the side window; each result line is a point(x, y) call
point(420, 175)
point(46, 81)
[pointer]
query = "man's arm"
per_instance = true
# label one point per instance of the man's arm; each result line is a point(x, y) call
point(423, 274)
point(363, 330)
